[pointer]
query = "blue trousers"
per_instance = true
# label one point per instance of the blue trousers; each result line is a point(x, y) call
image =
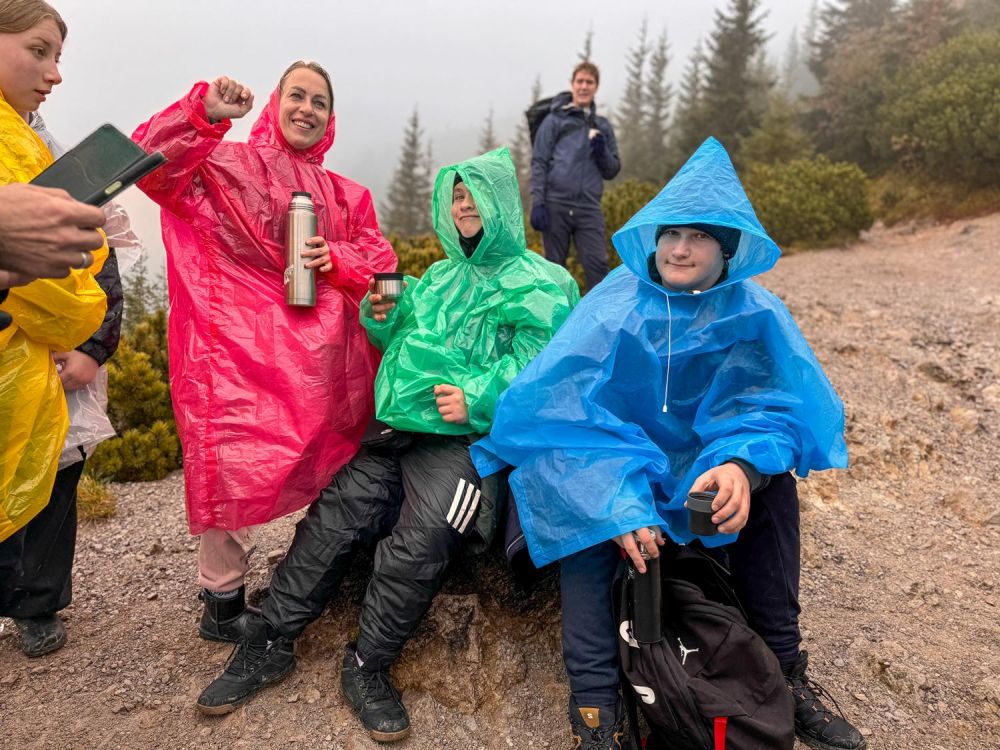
point(585, 227)
point(764, 565)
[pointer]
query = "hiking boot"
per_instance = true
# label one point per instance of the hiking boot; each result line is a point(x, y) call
point(374, 699)
point(255, 663)
point(815, 724)
point(41, 635)
point(224, 619)
point(595, 728)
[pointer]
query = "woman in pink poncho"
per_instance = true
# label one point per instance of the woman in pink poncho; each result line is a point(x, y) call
point(270, 400)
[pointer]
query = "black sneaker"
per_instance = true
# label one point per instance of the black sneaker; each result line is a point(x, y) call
point(595, 728)
point(41, 635)
point(255, 663)
point(224, 619)
point(374, 699)
point(815, 724)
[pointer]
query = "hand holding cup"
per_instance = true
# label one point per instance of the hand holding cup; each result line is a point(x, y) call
point(381, 302)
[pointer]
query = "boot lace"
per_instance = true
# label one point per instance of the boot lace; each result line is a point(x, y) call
point(811, 694)
point(375, 686)
point(246, 657)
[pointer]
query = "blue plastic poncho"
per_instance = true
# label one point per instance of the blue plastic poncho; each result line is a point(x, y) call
point(643, 389)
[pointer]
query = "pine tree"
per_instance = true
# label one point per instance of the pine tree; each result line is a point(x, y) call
point(407, 209)
point(735, 84)
point(588, 47)
point(841, 20)
point(143, 295)
point(631, 120)
point(924, 24)
point(658, 96)
point(520, 147)
point(688, 128)
point(487, 138)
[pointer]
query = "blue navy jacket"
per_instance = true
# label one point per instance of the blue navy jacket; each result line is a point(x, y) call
point(564, 170)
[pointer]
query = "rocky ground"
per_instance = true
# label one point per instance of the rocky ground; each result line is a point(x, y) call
point(901, 574)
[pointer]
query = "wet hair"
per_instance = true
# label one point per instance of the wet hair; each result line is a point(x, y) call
point(587, 67)
point(315, 67)
point(17, 16)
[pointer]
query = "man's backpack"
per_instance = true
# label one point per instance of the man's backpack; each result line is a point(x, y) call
point(711, 683)
point(536, 113)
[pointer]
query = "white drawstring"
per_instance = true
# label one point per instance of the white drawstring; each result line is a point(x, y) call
point(670, 346)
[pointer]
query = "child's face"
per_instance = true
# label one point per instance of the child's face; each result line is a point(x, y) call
point(464, 212)
point(688, 259)
point(29, 65)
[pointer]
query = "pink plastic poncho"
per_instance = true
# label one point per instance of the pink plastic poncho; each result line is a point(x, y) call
point(270, 400)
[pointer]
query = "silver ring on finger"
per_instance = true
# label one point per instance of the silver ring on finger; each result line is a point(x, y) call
point(86, 258)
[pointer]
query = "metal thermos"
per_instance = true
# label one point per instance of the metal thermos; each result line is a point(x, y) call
point(300, 282)
point(646, 601)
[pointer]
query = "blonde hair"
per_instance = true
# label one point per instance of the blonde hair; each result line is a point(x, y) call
point(315, 67)
point(20, 15)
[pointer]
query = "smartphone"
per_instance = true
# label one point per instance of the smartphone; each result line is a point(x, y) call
point(102, 165)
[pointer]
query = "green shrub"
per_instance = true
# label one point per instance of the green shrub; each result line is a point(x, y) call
point(139, 407)
point(810, 201)
point(95, 499)
point(941, 116)
point(139, 455)
point(619, 204)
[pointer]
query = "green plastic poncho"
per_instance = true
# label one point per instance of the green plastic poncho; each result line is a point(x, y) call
point(470, 322)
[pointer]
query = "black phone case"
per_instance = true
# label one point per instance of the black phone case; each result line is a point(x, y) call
point(99, 167)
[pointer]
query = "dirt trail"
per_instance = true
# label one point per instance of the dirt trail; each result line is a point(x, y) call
point(901, 573)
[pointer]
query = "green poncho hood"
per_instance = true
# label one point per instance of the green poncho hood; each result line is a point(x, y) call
point(470, 322)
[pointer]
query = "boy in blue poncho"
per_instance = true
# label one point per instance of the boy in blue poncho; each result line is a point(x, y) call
point(677, 373)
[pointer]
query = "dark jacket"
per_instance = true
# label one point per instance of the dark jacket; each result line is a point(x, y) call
point(564, 169)
point(104, 342)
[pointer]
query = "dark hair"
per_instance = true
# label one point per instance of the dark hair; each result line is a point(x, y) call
point(586, 67)
point(20, 15)
point(315, 67)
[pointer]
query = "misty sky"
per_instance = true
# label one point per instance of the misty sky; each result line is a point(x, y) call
point(126, 59)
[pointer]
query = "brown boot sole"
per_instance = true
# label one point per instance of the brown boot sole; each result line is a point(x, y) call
point(228, 708)
point(389, 736)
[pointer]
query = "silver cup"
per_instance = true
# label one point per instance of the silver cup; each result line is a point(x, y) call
point(389, 285)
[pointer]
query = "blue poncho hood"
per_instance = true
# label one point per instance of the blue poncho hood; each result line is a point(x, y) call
point(643, 389)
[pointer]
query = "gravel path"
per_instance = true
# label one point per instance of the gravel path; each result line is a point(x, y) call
point(901, 560)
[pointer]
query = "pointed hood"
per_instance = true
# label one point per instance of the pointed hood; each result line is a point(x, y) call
point(706, 190)
point(492, 180)
point(266, 131)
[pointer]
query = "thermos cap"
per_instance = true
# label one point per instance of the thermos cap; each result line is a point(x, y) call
point(301, 193)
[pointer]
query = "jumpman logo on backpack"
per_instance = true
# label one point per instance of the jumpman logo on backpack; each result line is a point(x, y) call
point(685, 651)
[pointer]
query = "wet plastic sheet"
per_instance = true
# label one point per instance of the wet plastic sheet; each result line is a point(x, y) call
point(473, 322)
point(270, 400)
point(584, 424)
point(48, 314)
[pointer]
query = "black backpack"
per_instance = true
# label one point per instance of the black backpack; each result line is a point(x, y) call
point(538, 112)
point(711, 683)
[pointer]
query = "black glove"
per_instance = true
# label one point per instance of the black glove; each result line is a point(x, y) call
point(540, 217)
point(597, 144)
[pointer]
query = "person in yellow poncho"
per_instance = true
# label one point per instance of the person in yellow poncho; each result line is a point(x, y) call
point(46, 315)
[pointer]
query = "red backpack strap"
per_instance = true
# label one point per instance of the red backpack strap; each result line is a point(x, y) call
point(720, 732)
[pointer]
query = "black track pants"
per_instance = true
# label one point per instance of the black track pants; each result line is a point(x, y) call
point(36, 563)
point(419, 495)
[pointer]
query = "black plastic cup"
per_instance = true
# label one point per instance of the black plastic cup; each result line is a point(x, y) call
point(389, 285)
point(700, 513)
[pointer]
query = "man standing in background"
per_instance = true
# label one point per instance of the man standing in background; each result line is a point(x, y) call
point(573, 153)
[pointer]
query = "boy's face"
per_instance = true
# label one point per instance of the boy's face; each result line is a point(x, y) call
point(464, 212)
point(583, 87)
point(688, 259)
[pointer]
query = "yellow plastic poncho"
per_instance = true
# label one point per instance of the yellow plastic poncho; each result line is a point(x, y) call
point(49, 315)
